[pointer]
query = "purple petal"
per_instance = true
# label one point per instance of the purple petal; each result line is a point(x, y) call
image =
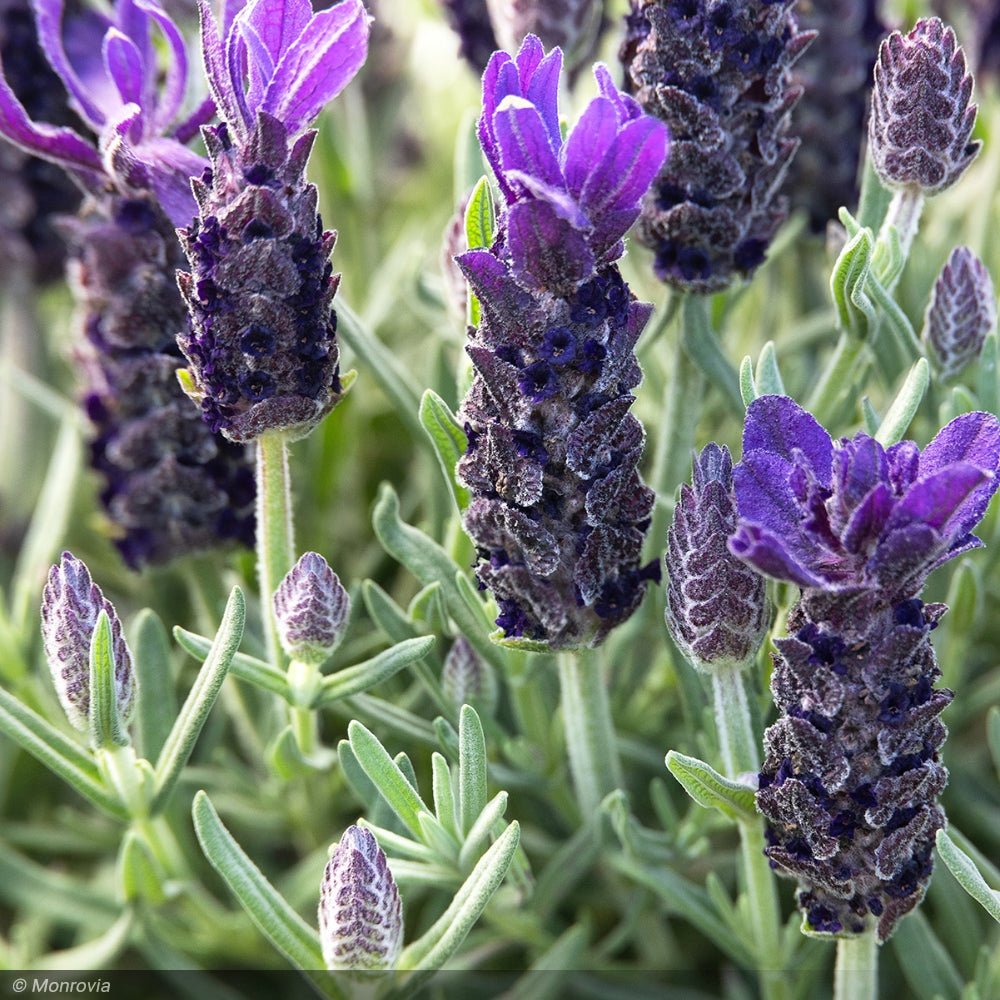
point(171, 91)
point(546, 250)
point(766, 552)
point(269, 29)
point(594, 131)
point(524, 142)
point(764, 495)
point(323, 60)
point(124, 63)
point(777, 424)
point(869, 518)
point(951, 500)
point(48, 18)
point(972, 437)
point(220, 84)
point(561, 201)
point(543, 88)
point(60, 145)
point(628, 107)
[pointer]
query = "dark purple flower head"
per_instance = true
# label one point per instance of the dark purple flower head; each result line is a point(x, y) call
point(261, 343)
point(360, 914)
point(717, 610)
point(922, 116)
point(961, 312)
point(720, 75)
point(71, 604)
point(558, 510)
point(854, 514)
point(470, 20)
point(119, 87)
point(311, 608)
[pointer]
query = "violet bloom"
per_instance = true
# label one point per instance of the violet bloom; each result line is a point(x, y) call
point(311, 608)
point(719, 74)
point(852, 769)
point(261, 343)
point(170, 486)
point(558, 510)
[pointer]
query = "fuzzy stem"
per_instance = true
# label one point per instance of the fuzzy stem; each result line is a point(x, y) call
point(904, 213)
point(855, 976)
point(835, 378)
point(590, 734)
point(738, 744)
point(275, 546)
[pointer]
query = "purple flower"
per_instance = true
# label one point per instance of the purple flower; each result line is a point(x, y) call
point(311, 608)
point(717, 611)
point(719, 74)
point(123, 95)
point(360, 914)
point(961, 312)
point(855, 514)
point(558, 509)
point(922, 116)
point(852, 769)
point(71, 604)
point(261, 343)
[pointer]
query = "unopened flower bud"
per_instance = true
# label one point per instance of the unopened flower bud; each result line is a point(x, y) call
point(467, 676)
point(71, 605)
point(922, 117)
point(717, 611)
point(311, 607)
point(360, 914)
point(961, 312)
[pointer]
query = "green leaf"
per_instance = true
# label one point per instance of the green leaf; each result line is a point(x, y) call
point(710, 789)
point(905, 405)
point(993, 735)
point(987, 372)
point(362, 676)
point(449, 441)
point(428, 562)
point(430, 952)
point(481, 828)
point(748, 390)
point(138, 874)
point(106, 729)
point(471, 768)
point(925, 962)
point(246, 668)
point(702, 346)
point(870, 417)
point(768, 377)
point(387, 778)
point(157, 706)
point(848, 285)
point(443, 793)
point(58, 753)
point(967, 875)
point(97, 954)
point(200, 700)
point(480, 221)
point(267, 908)
point(518, 643)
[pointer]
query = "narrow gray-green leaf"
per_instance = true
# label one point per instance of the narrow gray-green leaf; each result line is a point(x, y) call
point(443, 793)
point(106, 729)
point(138, 874)
point(268, 909)
point(710, 789)
point(95, 955)
point(362, 676)
point(200, 700)
point(386, 776)
point(748, 390)
point(925, 962)
point(905, 405)
point(480, 218)
point(58, 753)
point(246, 668)
point(449, 441)
point(157, 707)
point(847, 284)
point(471, 767)
point(967, 875)
point(768, 378)
point(481, 828)
point(870, 417)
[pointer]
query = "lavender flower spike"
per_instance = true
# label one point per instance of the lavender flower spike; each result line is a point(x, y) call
point(852, 768)
point(558, 510)
point(717, 610)
point(922, 116)
point(720, 75)
point(71, 605)
point(311, 608)
point(960, 314)
point(261, 343)
point(360, 914)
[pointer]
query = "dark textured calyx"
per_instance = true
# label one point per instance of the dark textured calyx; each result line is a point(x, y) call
point(262, 336)
point(852, 772)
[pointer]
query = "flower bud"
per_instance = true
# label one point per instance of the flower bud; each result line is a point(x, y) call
point(466, 676)
point(360, 914)
point(717, 611)
point(311, 607)
point(71, 605)
point(961, 312)
point(922, 117)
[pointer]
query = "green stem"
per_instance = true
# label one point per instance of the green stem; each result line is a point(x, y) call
point(275, 546)
point(590, 736)
point(904, 213)
point(855, 976)
point(835, 378)
point(739, 746)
